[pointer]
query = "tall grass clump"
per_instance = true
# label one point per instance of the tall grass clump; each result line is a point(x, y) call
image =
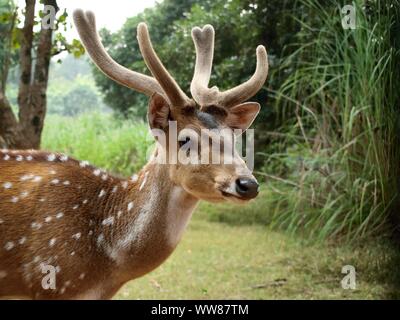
point(121, 146)
point(340, 106)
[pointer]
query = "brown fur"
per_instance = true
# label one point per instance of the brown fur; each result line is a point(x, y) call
point(44, 198)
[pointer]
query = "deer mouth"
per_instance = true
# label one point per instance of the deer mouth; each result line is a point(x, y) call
point(231, 196)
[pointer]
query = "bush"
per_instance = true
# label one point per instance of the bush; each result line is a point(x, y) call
point(107, 142)
point(339, 151)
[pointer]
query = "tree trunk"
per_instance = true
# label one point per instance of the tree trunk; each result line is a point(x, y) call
point(10, 133)
point(32, 102)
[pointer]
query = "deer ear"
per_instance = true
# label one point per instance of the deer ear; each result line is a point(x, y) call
point(242, 115)
point(158, 113)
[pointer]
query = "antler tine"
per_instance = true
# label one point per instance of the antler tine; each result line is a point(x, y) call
point(249, 88)
point(204, 42)
point(174, 93)
point(86, 25)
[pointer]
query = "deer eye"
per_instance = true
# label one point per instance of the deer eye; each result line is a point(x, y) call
point(184, 142)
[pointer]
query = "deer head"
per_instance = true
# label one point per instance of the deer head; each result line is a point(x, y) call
point(209, 109)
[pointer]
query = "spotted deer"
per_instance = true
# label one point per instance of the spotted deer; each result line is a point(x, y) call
point(97, 230)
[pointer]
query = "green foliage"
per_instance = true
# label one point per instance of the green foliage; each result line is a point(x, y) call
point(71, 89)
point(339, 147)
point(80, 99)
point(72, 97)
point(60, 42)
point(119, 146)
point(11, 37)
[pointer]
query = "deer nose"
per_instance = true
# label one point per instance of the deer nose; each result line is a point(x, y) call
point(247, 188)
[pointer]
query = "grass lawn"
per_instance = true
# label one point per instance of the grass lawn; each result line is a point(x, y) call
point(220, 260)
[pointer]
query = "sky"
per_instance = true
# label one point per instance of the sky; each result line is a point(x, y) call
point(109, 14)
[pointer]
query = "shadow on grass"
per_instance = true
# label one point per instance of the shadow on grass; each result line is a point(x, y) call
point(388, 272)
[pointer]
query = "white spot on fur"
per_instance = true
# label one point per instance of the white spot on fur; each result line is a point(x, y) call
point(125, 184)
point(51, 157)
point(52, 242)
point(115, 189)
point(82, 276)
point(97, 172)
point(72, 253)
point(6, 157)
point(9, 245)
point(64, 158)
point(24, 194)
point(102, 193)
point(48, 219)
point(7, 185)
point(55, 181)
point(59, 215)
point(76, 236)
point(14, 199)
point(22, 240)
point(83, 164)
point(36, 225)
point(26, 177)
point(29, 158)
point(75, 207)
point(130, 206)
point(37, 179)
point(100, 239)
point(66, 183)
point(135, 178)
point(19, 158)
point(108, 222)
point(85, 201)
point(104, 177)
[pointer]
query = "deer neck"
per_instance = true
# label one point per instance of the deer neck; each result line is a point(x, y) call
point(157, 212)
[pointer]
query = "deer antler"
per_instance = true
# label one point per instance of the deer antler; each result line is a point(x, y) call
point(86, 25)
point(204, 43)
point(175, 94)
